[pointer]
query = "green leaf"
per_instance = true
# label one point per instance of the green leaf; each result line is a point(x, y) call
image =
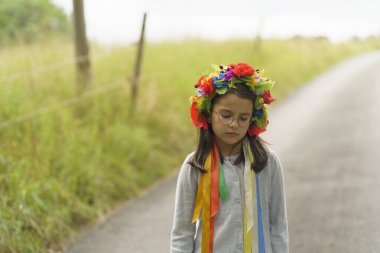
point(221, 91)
point(261, 122)
point(245, 78)
point(208, 106)
point(239, 80)
point(264, 87)
point(231, 83)
point(219, 82)
point(204, 105)
point(201, 103)
point(258, 106)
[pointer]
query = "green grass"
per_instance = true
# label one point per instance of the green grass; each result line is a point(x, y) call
point(65, 169)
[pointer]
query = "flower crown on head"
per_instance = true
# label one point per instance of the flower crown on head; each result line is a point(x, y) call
point(225, 77)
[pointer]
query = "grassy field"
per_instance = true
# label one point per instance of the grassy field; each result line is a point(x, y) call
point(65, 163)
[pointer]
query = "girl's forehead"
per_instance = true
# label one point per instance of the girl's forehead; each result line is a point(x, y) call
point(234, 103)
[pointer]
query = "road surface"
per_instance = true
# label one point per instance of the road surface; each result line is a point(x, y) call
point(327, 136)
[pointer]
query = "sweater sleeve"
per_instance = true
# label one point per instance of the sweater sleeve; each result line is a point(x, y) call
point(277, 208)
point(183, 232)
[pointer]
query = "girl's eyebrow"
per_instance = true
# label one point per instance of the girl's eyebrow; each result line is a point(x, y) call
point(229, 111)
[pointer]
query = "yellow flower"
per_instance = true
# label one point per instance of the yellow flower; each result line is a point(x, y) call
point(212, 74)
point(194, 99)
point(252, 82)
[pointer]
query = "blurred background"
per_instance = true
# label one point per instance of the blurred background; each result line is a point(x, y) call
point(92, 106)
point(119, 22)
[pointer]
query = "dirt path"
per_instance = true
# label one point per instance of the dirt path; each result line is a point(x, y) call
point(327, 136)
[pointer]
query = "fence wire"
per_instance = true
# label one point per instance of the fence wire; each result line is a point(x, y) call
point(49, 67)
point(68, 102)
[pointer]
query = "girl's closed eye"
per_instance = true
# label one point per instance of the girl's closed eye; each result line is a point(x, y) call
point(244, 119)
point(226, 116)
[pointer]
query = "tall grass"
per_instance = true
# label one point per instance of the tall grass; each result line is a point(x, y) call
point(66, 168)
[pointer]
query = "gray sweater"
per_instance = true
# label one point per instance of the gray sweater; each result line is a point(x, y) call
point(228, 230)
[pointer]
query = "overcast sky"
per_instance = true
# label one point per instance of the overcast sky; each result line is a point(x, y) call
point(119, 21)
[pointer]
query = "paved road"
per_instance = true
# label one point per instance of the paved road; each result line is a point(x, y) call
point(327, 136)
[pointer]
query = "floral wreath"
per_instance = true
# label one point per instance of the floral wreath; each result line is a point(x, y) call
point(225, 77)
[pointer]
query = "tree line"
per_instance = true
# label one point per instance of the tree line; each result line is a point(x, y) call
point(28, 20)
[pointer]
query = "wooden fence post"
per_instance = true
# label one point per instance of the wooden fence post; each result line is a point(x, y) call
point(258, 40)
point(136, 77)
point(83, 65)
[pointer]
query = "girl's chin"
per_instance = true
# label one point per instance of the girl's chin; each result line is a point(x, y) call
point(228, 143)
point(232, 138)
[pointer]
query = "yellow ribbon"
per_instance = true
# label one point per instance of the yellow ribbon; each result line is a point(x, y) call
point(203, 203)
point(199, 201)
point(250, 212)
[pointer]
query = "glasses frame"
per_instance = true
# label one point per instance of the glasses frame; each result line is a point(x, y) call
point(223, 121)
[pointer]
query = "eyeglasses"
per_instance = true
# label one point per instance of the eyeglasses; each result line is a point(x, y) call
point(226, 119)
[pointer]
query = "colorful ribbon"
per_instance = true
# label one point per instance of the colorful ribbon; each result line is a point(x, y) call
point(212, 187)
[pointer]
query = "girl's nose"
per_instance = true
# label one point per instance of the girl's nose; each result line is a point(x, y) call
point(234, 123)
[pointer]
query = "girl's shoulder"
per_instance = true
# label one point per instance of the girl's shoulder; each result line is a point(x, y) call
point(274, 162)
point(187, 172)
point(189, 157)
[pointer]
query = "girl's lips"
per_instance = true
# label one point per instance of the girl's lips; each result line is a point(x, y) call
point(232, 134)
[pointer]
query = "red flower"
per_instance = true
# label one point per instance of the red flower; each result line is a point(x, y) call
point(208, 88)
point(194, 112)
point(254, 130)
point(199, 83)
point(205, 85)
point(198, 120)
point(268, 99)
point(202, 122)
point(242, 70)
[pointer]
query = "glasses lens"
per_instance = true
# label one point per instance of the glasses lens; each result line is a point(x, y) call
point(226, 120)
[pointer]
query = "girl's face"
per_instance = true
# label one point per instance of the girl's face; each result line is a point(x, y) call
point(230, 118)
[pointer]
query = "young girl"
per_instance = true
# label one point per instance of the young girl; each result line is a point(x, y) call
point(230, 191)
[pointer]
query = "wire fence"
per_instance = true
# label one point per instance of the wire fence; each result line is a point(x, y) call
point(78, 98)
point(50, 67)
point(65, 103)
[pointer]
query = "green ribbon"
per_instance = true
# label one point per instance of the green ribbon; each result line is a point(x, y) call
point(223, 190)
